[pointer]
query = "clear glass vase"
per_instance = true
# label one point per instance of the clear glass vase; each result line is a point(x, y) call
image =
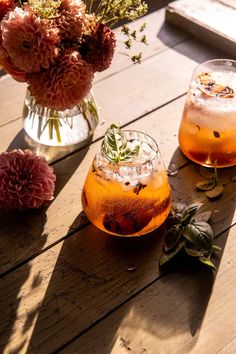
point(55, 128)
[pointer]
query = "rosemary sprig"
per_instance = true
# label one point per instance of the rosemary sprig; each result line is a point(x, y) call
point(191, 232)
point(114, 146)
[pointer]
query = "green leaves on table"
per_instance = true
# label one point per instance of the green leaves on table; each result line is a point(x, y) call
point(115, 147)
point(212, 185)
point(189, 231)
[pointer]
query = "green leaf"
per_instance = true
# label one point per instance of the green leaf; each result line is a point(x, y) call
point(193, 253)
point(204, 235)
point(115, 148)
point(128, 155)
point(178, 207)
point(192, 208)
point(206, 173)
point(215, 192)
point(199, 233)
point(172, 237)
point(206, 185)
point(190, 233)
point(207, 261)
point(224, 181)
point(216, 248)
point(165, 257)
point(203, 216)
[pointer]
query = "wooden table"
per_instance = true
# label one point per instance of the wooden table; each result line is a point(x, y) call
point(66, 286)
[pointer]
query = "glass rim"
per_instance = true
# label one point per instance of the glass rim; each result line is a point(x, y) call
point(129, 164)
point(222, 66)
point(214, 61)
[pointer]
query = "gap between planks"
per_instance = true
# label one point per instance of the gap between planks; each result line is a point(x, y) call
point(206, 299)
point(162, 275)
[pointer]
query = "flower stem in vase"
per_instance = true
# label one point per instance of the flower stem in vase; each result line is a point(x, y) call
point(54, 123)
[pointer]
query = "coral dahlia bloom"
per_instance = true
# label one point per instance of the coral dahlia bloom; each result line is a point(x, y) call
point(6, 64)
point(98, 49)
point(5, 6)
point(63, 85)
point(72, 19)
point(75, 6)
point(26, 180)
point(30, 42)
point(16, 73)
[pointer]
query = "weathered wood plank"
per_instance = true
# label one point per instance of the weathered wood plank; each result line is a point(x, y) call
point(228, 348)
point(75, 283)
point(62, 292)
point(159, 34)
point(211, 21)
point(12, 96)
point(177, 314)
point(38, 230)
point(120, 103)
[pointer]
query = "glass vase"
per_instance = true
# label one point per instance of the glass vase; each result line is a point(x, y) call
point(55, 128)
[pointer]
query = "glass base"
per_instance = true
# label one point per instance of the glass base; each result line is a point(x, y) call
point(210, 160)
point(60, 128)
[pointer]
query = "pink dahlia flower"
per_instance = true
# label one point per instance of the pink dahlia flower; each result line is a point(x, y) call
point(6, 64)
point(71, 19)
point(98, 49)
point(74, 6)
point(26, 180)
point(16, 73)
point(63, 85)
point(3, 53)
point(5, 6)
point(30, 42)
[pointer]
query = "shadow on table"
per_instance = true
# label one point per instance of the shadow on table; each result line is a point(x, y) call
point(96, 273)
point(193, 48)
point(23, 236)
point(51, 154)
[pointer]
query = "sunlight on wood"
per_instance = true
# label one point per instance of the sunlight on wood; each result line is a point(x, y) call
point(29, 301)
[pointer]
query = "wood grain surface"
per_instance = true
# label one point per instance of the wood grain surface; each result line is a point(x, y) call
point(66, 286)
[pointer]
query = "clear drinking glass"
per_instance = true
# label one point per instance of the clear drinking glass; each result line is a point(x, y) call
point(128, 198)
point(208, 127)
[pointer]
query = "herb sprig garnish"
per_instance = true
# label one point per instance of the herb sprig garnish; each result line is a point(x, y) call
point(114, 146)
point(191, 232)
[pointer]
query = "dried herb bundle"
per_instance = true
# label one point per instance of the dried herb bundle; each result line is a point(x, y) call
point(191, 232)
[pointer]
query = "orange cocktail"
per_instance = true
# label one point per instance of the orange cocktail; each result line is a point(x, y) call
point(208, 127)
point(128, 198)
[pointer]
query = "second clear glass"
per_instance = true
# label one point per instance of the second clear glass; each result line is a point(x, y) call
point(208, 127)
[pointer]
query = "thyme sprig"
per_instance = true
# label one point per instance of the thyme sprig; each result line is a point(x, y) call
point(134, 37)
point(45, 8)
point(114, 146)
point(112, 11)
point(190, 231)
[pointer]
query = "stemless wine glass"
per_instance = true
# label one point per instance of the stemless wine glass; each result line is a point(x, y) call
point(208, 127)
point(128, 198)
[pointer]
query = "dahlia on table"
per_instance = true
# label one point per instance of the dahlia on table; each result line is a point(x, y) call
point(56, 46)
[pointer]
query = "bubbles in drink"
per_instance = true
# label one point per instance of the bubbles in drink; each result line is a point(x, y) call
point(128, 198)
point(208, 124)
